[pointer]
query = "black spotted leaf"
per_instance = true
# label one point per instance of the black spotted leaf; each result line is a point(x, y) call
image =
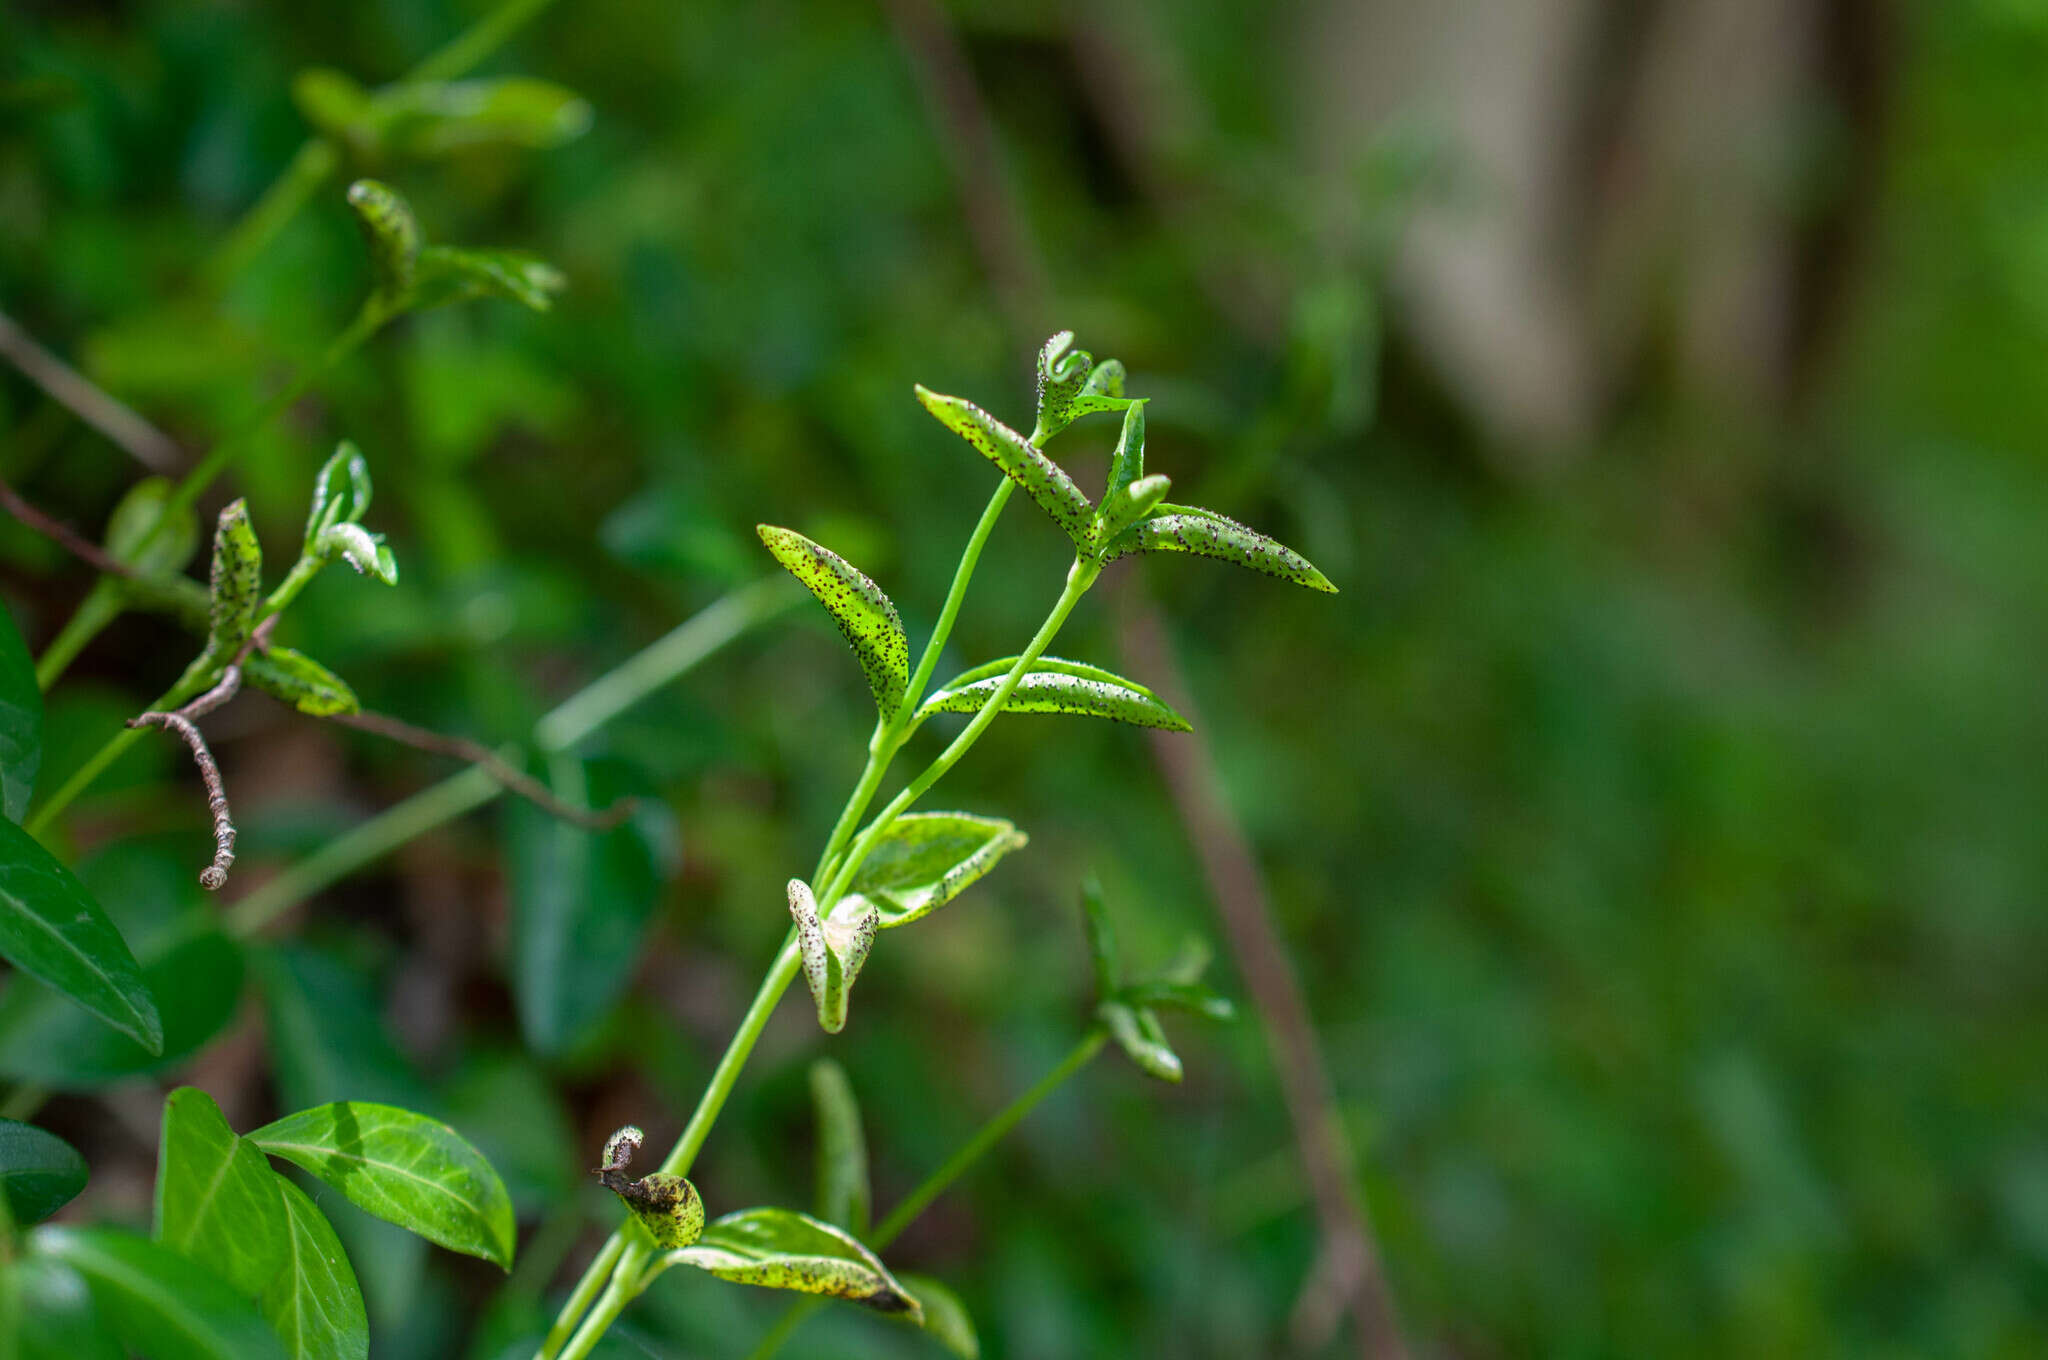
point(1127, 505)
point(393, 236)
point(454, 274)
point(1062, 372)
point(783, 1249)
point(1045, 481)
point(1056, 686)
point(842, 1161)
point(1185, 529)
point(216, 1196)
point(300, 681)
point(946, 1319)
point(863, 612)
point(926, 859)
point(39, 1172)
point(158, 1303)
point(237, 582)
point(52, 929)
point(403, 1167)
point(313, 1303)
point(667, 1205)
point(833, 948)
point(21, 721)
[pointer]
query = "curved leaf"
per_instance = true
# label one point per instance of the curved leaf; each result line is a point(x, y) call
point(926, 859)
point(667, 1205)
point(403, 1167)
point(455, 274)
point(843, 1194)
point(51, 928)
point(216, 1197)
point(863, 612)
point(340, 492)
point(833, 949)
point(1128, 504)
point(21, 721)
point(39, 1172)
point(156, 1301)
point(1056, 686)
point(195, 976)
point(1138, 1034)
point(237, 582)
point(783, 1249)
point(1061, 375)
point(393, 236)
point(946, 1319)
point(1180, 528)
point(300, 681)
point(434, 118)
point(1042, 479)
point(313, 1302)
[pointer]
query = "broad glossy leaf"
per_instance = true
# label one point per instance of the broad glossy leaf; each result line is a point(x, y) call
point(52, 929)
point(130, 537)
point(926, 859)
point(160, 1304)
point(1190, 997)
point(39, 1172)
point(403, 1167)
point(1056, 686)
point(300, 681)
point(1042, 479)
point(196, 979)
point(581, 904)
point(452, 274)
point(341, 492)
point(863, 612)
point(216, 1196)
point(237, 582)
point(833, 948)
point(946, 1319)
point(1127, 505)
point(21, 721)
point(393, 236)
point(1103, 955)
point(1184, 529)
point(56, 1316)
point(783, 1249)
point(1138, 1034)
point(313, 1302)
point(843, 1194)
point(1127, 463)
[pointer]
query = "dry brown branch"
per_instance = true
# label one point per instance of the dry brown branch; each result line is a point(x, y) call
point(215, 875)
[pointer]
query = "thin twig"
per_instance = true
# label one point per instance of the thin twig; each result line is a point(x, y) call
point(65, 385)
point(476, 753)
point(215, 875)
point(64, 536)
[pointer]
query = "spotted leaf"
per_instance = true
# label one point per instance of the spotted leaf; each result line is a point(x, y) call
point(926, 859)
point(393, 236)
point(863, 612)
point(1042, 479)
point(833, 948)
point(1056, 686)
point(237, 582)
point(1180, 528)
point(783, 1249)
point(300, 681)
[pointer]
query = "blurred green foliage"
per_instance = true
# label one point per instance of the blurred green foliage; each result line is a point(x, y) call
point(1660, 840)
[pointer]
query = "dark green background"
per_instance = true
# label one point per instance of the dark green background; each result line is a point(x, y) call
point(1657, 822)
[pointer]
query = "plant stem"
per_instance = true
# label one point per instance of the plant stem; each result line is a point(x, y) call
point(931, 1187)
point(100, 607)
point(189, 684)
point(580, 1298)
point(780, 974)
point(618, 1292)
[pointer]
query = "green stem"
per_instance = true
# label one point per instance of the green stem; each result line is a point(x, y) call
point(100, 607)
point(780, 974)
point(468, 50)
point(587, 1289)
point(191, 683)
point(618, 1292)
point(931, 1187)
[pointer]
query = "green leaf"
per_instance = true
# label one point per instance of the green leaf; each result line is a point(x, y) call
point(926, 859)
point(436, 118)
point(1191, 997)
point(51, 928)
point(39, 1172)
point(1102, 950)
point(403, 1167)
point(833, 949)
point(1056, 686)
point(129, 530)
point(237, 582)
point(55, 1316)
point(1138, 1034)
point(449, 274)
point(313, 1302)
point(1104, 390)
point(843, 1194)
point(1185, 529)
point(333, 102)
point(783, 1249)
point(340, 493)
point(864, 614)
point(1127, 463)
point(361, 549)
point(666, 1204)
point(300, 681)
point(1127, 505)
point(195, 976)
point(21, 721)
point(1061, 375)
point(946, 1319)
point(1021, 461)
point(393, 236)
point(160, 1304)
point(216, 1197)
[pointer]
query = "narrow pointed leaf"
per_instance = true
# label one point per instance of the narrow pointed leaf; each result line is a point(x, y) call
point(833, 949)
point(160, 1304)
point(1127, 463)
point(863, 612)
point(1191, 997)
point(403, 1167)
point(926, 859)
point(1062, 372)
point(1042, 479)
point(1056, 686)
point(21, 721)
point(313, 1302)
point(783, 1249)
point(1103, 955)
point(1127, 505)
point(1180, 528)
point(237, 582)
point(51, 928)
point(216, 1197)
point(946, 1319)
point(435, 118)
point(300, 681)
point(453, 274)
point(393, 236)
point(130, 537)
point(341, 492)
point(843, 1193)
point(39, 1172)
point(1138, 1035)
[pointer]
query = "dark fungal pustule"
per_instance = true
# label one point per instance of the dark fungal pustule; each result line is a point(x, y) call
point(866, 617)
point(1204, 533)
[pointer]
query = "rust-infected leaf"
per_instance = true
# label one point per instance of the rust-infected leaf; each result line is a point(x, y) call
point(863, 612)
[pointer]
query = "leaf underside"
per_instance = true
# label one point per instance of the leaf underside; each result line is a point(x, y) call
point(783, 1249)
point(1180, 528)
point(1056, 686)
point(863, 612)
point(314, 1303)
point(926, 859)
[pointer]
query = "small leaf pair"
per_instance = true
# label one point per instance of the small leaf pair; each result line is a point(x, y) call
point(433, 118)
point(833, 948)
point(1071, 384)
point(1127, 1011)
point(409, 275)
